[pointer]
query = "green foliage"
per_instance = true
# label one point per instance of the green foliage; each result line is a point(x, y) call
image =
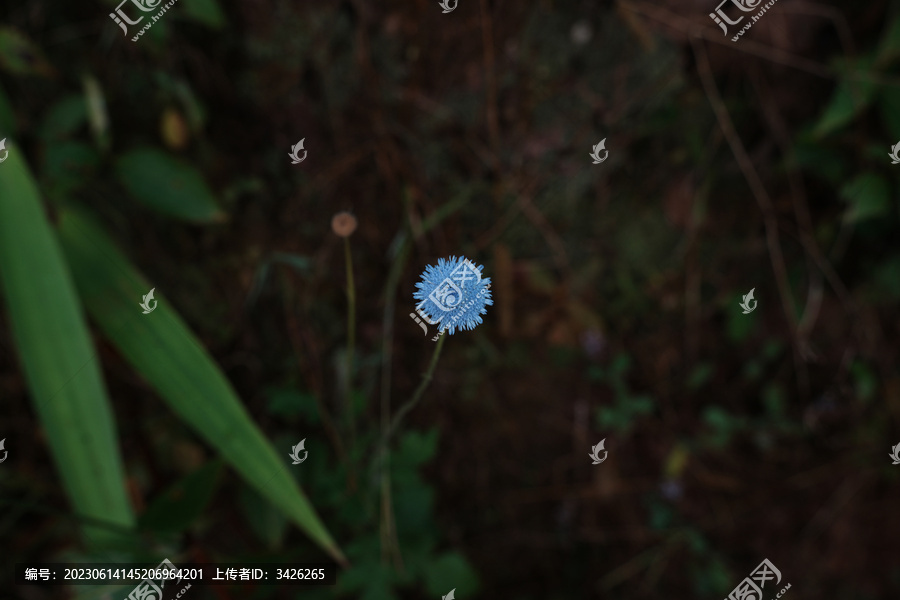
point(864, 380)
point(886, 279)
point(775, 400)
point(889, 110)
point(827, 163)
point(755, 366)
point(700, 376)
point(63, 118)
point(7, 115)
point(20, 55)
point(889, 45)
point(628, 406)
point(661, 515)
point(57, 354)
point(712, 579)
point(167, 185)
point(165, 353)
point(739, 326)
point(266, 521)
point(301, 263)
point(626, 234)
point(853, 95)
point(868, 196)
point(413, 502)
point(291, 404)
point(206, 12)
point(723, 426)
point(368, 578)
point(448, 571)
point(180, 505)
point(66, 166)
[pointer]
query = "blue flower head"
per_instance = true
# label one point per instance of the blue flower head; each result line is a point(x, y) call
point(453, 294)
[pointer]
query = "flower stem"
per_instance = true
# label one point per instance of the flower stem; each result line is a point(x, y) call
point(417, 395)
point(351, 338)
point(389, 547)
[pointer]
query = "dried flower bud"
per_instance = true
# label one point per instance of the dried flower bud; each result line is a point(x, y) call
point(343, 224)
point(174, 130)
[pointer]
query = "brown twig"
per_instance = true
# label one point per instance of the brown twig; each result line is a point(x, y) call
point(315, 383)
point(710, 34)
point(770, 220)
point(525, 205)
point(490, 82)
point(805, 228)
point(537, 218)
point(838, 501)
point(841, 27)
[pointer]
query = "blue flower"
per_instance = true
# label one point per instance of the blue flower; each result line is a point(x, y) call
point(453, 294)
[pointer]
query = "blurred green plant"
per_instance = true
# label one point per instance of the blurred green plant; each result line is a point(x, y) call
point(57, 355)
point(424, 565)
point(41, 270)
point(628, 406)
point(824, 149)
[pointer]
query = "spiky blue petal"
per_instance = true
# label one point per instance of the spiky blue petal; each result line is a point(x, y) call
point(460, 303)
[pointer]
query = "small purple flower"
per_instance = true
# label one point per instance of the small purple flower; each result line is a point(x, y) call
point(593, 342)
point(453, 294)
point(672, 489)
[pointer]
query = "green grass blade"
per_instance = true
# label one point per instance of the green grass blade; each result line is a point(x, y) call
point(57, 355)
point(160, 347)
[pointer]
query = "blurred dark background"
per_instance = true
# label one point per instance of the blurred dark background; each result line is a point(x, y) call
point(732, 438)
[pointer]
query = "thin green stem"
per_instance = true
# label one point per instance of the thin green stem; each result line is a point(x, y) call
point(417, 395)
point(351, 338)
point(389, 547)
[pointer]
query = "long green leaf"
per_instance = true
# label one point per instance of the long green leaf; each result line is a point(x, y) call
point(868, 196)
point(167, 185)
point(20, 55)
point(59, 360)
point(850, 98)
point(162, 349)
